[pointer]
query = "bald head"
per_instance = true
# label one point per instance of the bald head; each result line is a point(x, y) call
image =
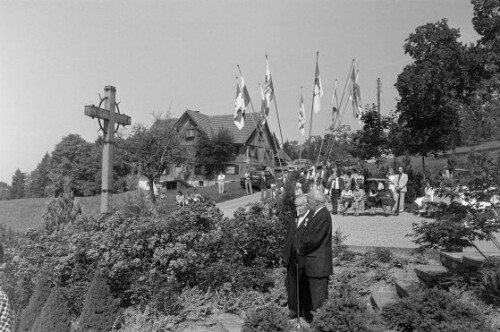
point(315, 199)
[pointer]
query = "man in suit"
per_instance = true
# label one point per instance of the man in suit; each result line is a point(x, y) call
point(295, 270)
point(401, 189)
point(315, 249)
point(335, 189)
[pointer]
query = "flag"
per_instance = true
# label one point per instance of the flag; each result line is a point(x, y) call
point(302, 116)
point(246, 96)
point(318, 89)
point(335, 101)
point(268, 88)
point(263, 107)
point(239, 108)
point(356, 95)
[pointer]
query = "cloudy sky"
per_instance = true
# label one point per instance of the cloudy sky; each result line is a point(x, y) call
point(57, 56)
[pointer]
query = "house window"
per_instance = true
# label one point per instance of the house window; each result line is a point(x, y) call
point(232, 169)
point(190, 134)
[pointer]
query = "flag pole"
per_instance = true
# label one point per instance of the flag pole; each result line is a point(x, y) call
point(253, 110)
point(346, 84)
point(345, 106)
point(277, 115)
point(312, 104)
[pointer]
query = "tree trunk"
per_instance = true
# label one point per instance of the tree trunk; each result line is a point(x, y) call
point(152, 190)
point(423, 166)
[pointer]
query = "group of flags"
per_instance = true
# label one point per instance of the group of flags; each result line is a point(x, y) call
point(267, 96)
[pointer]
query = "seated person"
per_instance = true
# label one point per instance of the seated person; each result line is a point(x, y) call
point(386, 197)
point(180, 199)
point(346, 198)
point(358, 199)
point(197, 197)
point(372, 199)
point(422, 202)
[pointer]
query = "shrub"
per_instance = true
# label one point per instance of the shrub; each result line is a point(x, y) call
point(378, 254)
point(268, 318)
point(61, 210)
point(99, 309)
point(342, 313)
point(433, 310)
point(35, 305)
point(54, 316)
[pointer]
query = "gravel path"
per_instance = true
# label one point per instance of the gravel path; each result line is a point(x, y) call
point(366, 230)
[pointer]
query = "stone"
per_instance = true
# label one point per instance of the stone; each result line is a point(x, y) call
point(230, 323)
point(459, 262)
point(405, 288)
point(380, 299)
point(431, 273)
point(473, 260)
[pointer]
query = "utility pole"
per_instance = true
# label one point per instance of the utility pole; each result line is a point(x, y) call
point(379, 86)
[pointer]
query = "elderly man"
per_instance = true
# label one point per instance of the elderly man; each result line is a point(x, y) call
point(315, 249)
point(295, 269)
point(401, 189)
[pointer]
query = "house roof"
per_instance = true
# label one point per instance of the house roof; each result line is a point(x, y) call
point(213, 124)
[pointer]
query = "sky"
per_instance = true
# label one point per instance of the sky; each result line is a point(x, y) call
point(172, 55)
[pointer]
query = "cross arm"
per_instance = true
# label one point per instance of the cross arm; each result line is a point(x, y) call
point(101, 113)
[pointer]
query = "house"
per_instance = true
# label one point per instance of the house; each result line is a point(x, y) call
point(254, 150)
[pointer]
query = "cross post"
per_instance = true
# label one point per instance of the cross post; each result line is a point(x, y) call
point(110, 118)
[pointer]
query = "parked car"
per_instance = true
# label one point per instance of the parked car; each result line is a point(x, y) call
point(256, 175)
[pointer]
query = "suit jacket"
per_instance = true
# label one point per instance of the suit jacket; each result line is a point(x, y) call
point(316, 245)
point(402, 182)
point(290, 247)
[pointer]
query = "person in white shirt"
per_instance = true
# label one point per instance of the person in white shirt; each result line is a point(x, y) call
point(220, 180)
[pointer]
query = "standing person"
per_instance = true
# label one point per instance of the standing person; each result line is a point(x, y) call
point(392, 185)
point(263, 187)
point(315, 250)
point(5, 310)
point(401, 188)
point(295, 270)
point(336, 187)
point(220, 180)
point(248, 182)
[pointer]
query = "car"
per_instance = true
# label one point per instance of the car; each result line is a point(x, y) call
point(256, 175)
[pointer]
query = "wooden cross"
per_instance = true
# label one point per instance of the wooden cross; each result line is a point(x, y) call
point(110, 119)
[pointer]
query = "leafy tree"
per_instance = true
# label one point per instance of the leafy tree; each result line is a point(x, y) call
point(18, 184)
point(372, 141)
point(39, 178)
point(152, 149)
point(339, 143)
point(434, 89)
point(5, 191)
point(291, 149)
point(212, 154)
point(61, 210)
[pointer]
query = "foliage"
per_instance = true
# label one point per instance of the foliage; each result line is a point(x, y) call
point(36, 303)
point(18, 185)
point(342, 312)
point(491, 280)
point(291, 148)
point(38, 179)
point(212, 153)
point(99, 309)
point(378, 254)
point(434, 88)
point(268, 318)
point(433, 310)
point(54, 316)
point(372, 141)
point(5, 191)
point(153, 148)
point(61, 211)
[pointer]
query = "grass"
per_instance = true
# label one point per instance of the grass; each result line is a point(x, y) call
point(23, 214)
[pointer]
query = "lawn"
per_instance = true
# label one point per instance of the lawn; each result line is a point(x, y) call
point(23, 214)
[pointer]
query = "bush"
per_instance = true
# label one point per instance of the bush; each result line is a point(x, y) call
point(342, 313)
point(433, 310)
point(35, 305)
point(268, 318)
point(378, 254)
point(61, 210)
point(54, 316)
point(99, 309)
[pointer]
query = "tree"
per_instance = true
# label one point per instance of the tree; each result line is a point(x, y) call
point(5, 191)
point(372, 141)
point(212, 154)
point(18, 184)
point(152, 149)
point(55, 314)
point(39, 178)
point(434, 89)
point(35, 305)
point(291, 149)
point(339, 143)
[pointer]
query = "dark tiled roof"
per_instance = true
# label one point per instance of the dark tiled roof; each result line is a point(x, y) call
point(213, 124)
